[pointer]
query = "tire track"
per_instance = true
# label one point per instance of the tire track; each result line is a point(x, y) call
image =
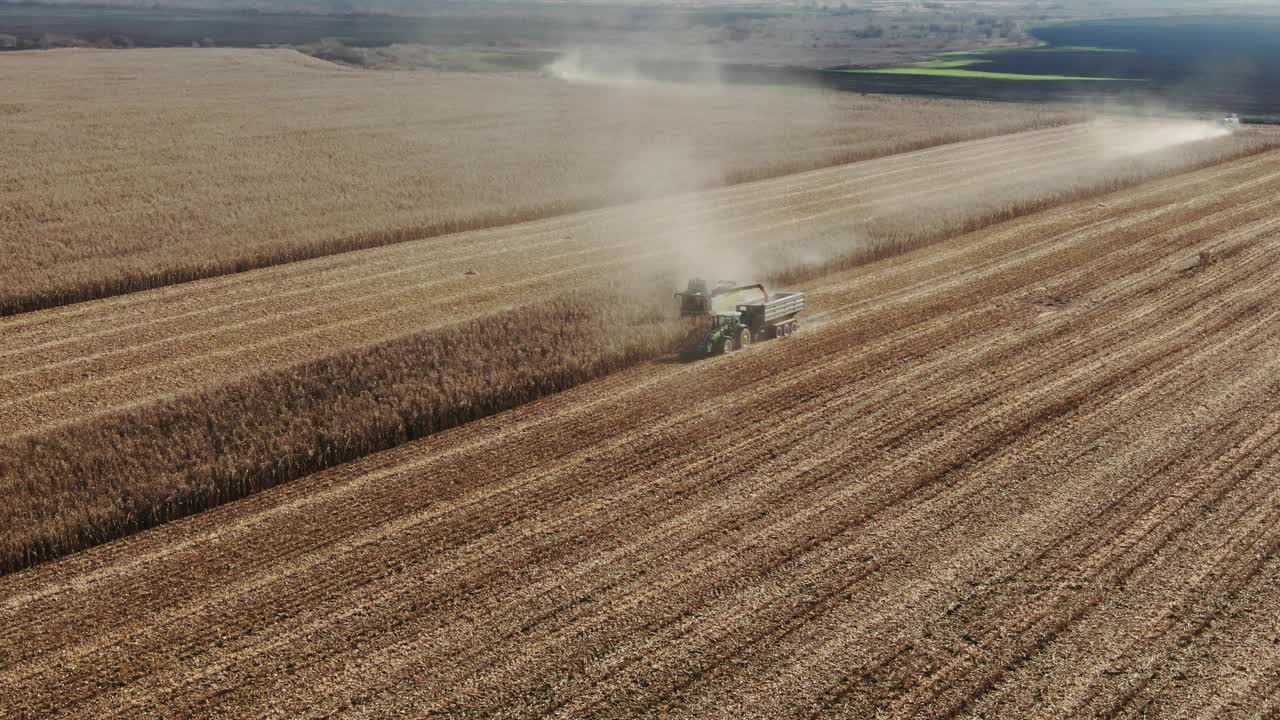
point(68, 377)
point(777, 533)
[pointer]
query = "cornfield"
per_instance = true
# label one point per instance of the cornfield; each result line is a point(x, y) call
point(153, 167)
point(110, 475)
point(88, 483)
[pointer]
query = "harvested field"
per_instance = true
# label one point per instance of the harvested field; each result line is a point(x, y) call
point(1029, 471)
point(69, 363)
point(94, 481)
point(151, 167)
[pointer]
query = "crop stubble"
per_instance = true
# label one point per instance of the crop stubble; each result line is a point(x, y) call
point(159, 166)
point(67, 363)
point(1031, 470)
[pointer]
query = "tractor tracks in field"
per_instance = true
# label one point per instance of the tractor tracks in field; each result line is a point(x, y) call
point(378, 264)
point(328, 306)
point(114, 353)
point(952, 496)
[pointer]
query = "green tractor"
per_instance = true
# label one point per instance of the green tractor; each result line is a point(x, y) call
point(740, 314)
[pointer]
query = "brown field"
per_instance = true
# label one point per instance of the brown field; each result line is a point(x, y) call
point(1028, 471)
point(554, 320)
point(152, 167)
point(107, 476)
point(65, 364)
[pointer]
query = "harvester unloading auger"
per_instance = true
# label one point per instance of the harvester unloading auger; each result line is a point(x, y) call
point(740, 314)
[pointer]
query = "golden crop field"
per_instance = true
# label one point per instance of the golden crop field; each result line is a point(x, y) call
point(348, 393)
point(287, 371)
point(1029, 471)
point(146, 168)
point(65, 364)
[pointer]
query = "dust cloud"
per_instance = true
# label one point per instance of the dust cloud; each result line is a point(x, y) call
point(666, 192)
point(688, 234)
point(604, 66)
point(700, 234)
point(666, 198)
point(1130, 137)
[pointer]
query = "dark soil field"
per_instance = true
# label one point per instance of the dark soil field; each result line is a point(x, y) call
point(1213, 63)
point(1196, 65)
point(1202, 63)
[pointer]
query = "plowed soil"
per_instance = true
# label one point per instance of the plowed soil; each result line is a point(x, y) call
point(1031, 471)
point(66, 363)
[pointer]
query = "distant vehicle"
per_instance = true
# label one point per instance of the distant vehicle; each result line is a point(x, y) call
point(1230, 122)
point(740, 314)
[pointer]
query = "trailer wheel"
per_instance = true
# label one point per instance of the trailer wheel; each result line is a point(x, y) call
point(779, 331)
point(794, 326)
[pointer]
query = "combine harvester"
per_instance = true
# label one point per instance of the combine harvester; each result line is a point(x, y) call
point(1230, 122)
point(740, 314)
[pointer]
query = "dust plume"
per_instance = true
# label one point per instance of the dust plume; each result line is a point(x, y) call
point(716, 234)
point(656, 46)
point(668, 189)
point(1121, 138)
point(668, 198)
point(688, 233)
point(602, 66)
point(663, 182)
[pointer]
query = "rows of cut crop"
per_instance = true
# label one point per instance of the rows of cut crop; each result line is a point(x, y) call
point(104, 476)
point(968, 491)
point(280, 158)
point(65, 365)
point(93, 481)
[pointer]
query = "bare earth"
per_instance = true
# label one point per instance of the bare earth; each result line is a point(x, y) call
point(62, 364)
point(1031, 471)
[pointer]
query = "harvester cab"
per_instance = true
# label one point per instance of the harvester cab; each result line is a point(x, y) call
point(697, 298)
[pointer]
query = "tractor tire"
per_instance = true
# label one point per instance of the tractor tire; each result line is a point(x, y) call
point(744, 338)
point(726, 346)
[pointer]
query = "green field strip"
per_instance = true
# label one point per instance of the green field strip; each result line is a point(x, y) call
point(962, 73)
